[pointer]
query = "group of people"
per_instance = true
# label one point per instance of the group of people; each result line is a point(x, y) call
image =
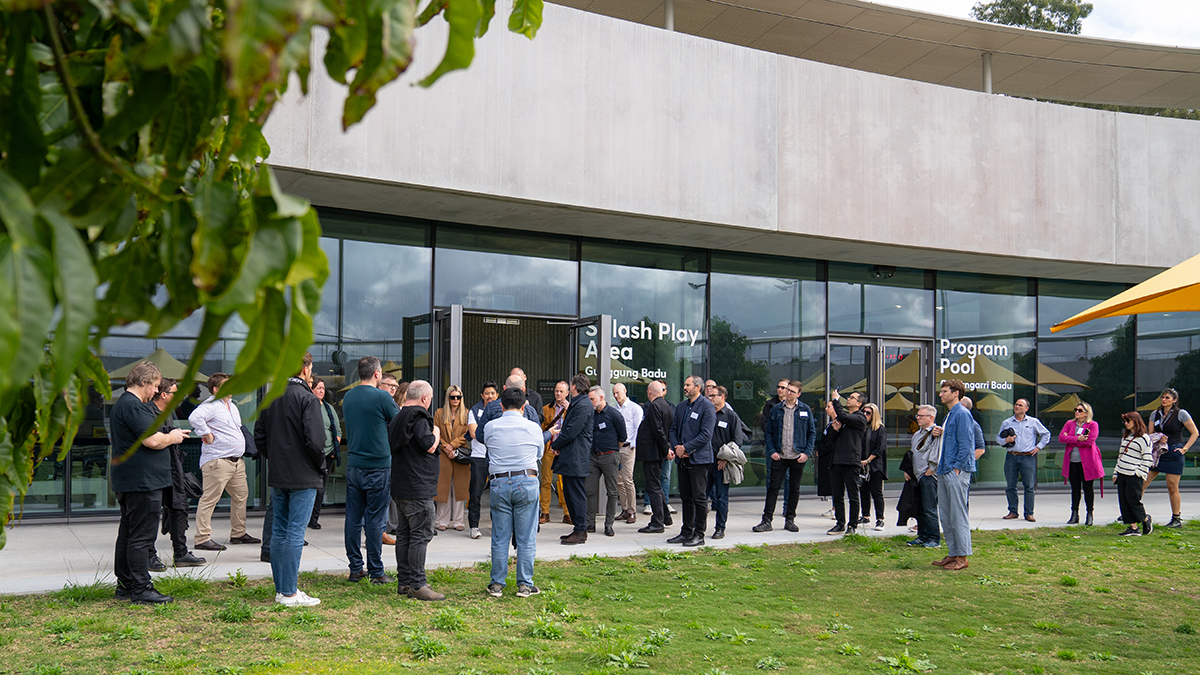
point(413, 471)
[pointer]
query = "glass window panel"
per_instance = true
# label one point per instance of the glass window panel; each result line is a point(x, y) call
point(381, 285)
point(325, 323)
point(658, 313)
point(504, 271)
point(1168, 355)
point(880, 300)
point(1092, 362)
point(986, 328)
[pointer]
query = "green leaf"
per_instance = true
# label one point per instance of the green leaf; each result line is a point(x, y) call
point(347, 40)
point(25, 267)
point(75, 398)
point(431, 10)
point(389, 52)
point(264, 342)
point(273, 248)
point(256, 37)
point(75, 285)
point(17, 211)
point(526, 17)
point(463, 17)
point(178, 37)
point(489, 11)
point(92, 368)
point(150, 92)
point(216, 209)
point(26, 144)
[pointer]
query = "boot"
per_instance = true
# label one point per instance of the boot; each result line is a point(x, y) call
point(1074, 519)
point(1088, 522)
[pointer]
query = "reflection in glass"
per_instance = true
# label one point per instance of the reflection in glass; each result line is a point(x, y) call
point(325, 323)
point(903, 376)
point(880, 300)
point(382, 284)
point(1092, 362)
point(506, 283)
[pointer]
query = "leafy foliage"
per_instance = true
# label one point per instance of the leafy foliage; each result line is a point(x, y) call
point(1059, 16)
point(132, 187)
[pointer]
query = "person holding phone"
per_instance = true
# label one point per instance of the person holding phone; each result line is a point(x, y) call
point(1081, 462)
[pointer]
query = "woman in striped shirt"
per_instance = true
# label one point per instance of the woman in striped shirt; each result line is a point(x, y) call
point(1133, 463)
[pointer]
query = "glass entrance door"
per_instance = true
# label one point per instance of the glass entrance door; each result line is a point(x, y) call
point(591, 350)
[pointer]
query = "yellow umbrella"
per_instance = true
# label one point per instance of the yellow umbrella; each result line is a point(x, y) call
point(986, 370)
point(1176, 290)
point(898, 402)
point(1048, 375)
point(992, 402)
point(1150, 407)
point(1064, 404)
point(168, 365)
point(814, 384)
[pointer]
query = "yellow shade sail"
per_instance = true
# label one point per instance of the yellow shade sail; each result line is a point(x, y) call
point(1048, 375)
point(898, 403)
point(992, 402)
point(1065, 404)
point(1176, 290)
point(168, 365)
point(986, 371)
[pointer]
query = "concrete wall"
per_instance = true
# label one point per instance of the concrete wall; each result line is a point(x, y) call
point(608, 128)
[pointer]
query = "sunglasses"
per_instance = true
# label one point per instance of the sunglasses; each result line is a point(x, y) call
point(454, 397)
point(1080, 410)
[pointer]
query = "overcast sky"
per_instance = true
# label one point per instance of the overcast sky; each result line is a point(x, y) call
point(1173, 23)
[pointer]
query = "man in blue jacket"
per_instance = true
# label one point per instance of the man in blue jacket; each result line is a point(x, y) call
point(691, 448)
point(791, 432)
point(954, 473)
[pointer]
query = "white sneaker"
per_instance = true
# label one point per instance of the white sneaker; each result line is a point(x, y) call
point(648, 511)
point(300, 599)
point(475, 534)
point(879, 526)
point(829, 514)
point(671, 509)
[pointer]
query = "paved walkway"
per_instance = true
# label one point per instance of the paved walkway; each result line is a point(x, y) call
point(40, 558)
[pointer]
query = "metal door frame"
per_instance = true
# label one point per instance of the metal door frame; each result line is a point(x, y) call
point(877, 344)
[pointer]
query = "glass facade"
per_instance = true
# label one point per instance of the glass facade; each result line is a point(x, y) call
point(745, 321)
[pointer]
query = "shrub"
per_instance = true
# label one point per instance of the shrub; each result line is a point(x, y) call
point(235, 611)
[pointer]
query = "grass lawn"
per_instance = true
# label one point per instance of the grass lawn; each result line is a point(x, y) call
point(1077, 600)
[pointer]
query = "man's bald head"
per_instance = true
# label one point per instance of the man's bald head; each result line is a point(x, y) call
point(515, 381)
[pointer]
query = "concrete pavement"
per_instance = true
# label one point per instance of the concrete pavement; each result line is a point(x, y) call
point(40, 558)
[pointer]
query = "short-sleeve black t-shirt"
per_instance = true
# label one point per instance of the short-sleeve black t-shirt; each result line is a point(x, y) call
point(414, 469)
point(147, 469)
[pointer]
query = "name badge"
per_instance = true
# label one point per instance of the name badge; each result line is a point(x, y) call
point(723, 425)
point(603, 425)
point(695, 415)
point(803, 413)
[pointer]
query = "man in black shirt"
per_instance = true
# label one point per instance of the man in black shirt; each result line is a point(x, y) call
point(175, 497)
point(138, 480)
point(653, 446)
point(573, 443)
point(414, 440)
point(845, 469)
point(608, 433)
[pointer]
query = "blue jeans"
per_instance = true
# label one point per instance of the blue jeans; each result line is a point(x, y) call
point(954, 490)
point(928, 528)
point(368, 494)
point(292, 509)
point(718, 494)
point(514, 503)
point(666, 486)
point(1024, 466)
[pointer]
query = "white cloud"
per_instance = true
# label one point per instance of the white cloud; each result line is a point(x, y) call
point(1174, 23)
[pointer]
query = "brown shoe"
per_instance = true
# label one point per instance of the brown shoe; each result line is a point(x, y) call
point(632, 517)
point(426, 593)
point(1030, 518)
point(1010, 516)
point(567, 519)
point(544, 518)
point(575, 538)
point(959, 563)
point(623, 515)
point(389, 539)
point(943, 562)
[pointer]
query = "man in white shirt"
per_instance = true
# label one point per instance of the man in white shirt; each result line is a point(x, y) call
point(514, 446)
point(1023, 436)
point(632, 414)
point(218, 423)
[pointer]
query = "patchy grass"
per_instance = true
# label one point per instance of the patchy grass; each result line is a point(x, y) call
point(856, 606)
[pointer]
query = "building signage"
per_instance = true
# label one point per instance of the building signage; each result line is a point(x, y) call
point(948, 349)
point(639, 331)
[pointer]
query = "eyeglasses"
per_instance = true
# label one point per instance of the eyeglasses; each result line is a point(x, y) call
point(454, 397)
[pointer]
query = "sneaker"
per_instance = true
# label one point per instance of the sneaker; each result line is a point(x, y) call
point(1175, 523)
point(837, 529)
point(764, 526)
point(851, 530)
point(671, 509)
point(495, 590)
point(475, 534)
point(789, 524)
point(915, 542)
point(1131, 531)
point(829, 514)
point(524, 591)
point(1147, 525)
point(932, 544)
point(300, 599)
point(647, 511)
point(879, 526)
point(864, 520)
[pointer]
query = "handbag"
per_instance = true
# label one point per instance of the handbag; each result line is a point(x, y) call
point(462, 455)
point(192, 486)
point(251, 447)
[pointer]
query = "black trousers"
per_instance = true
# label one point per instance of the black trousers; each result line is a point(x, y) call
point(176, 524)
point(652, 472)
point(135, 538)
point(575, 490)
point(872, 489)
point(330, 461)
point(1129, 497)
point(789, 472)
point(693, 492)
point(1078, 484)
point(479, 476)
point(845, 479)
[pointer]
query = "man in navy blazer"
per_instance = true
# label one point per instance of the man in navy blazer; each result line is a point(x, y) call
point(691, 448)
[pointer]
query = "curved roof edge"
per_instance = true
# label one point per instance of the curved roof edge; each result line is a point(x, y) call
point(933, 48)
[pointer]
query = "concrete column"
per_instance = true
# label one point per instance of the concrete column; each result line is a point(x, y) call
point(987, 73)
point(669, 11)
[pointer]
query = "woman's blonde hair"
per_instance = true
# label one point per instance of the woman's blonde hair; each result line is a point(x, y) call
point(876, 416)
point(444, 413)
point(1088, 408)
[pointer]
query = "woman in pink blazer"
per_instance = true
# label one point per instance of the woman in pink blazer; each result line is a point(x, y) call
point(1081, 461)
